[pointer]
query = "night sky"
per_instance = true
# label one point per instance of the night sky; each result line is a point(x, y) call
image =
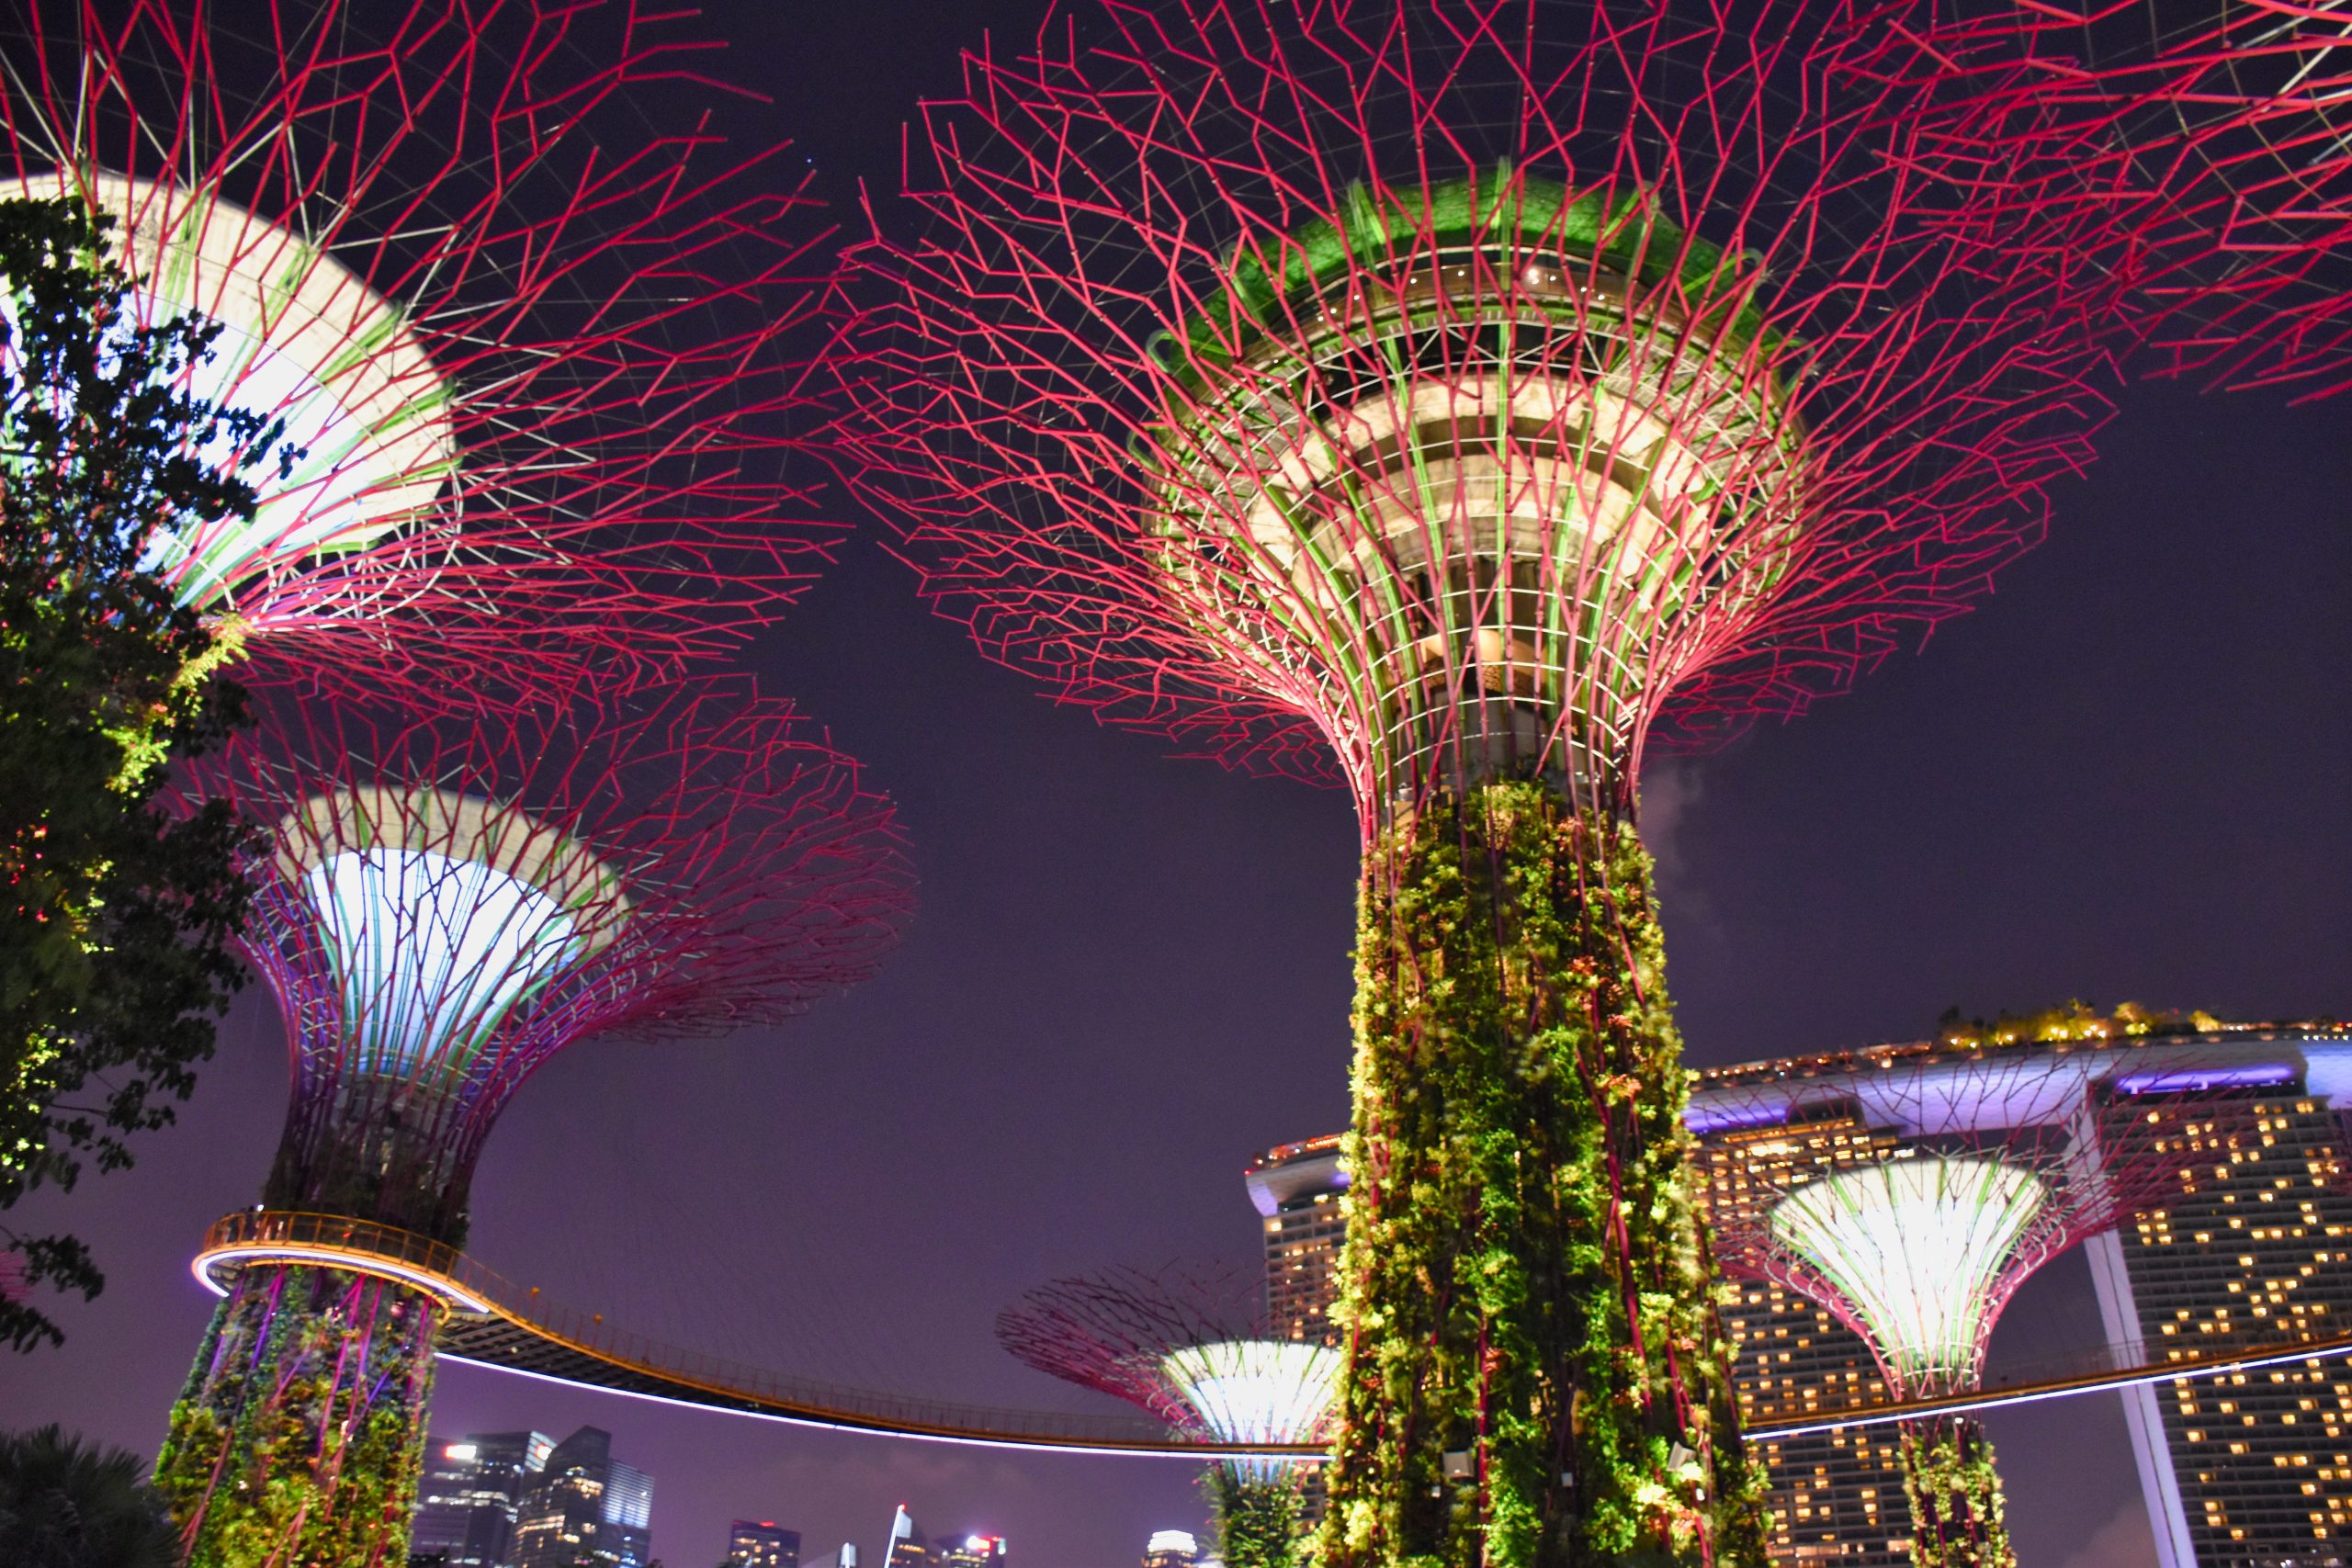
point(2124, 777)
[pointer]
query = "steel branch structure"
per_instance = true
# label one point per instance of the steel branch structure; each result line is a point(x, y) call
point(1463, 396)
point(2219, 135)
point(440, 908)
point(1975, 1170)
point(526, 347)
point(1175, 1344)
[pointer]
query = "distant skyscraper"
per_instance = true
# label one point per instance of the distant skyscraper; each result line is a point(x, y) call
point(1296, 1187)
point(969, 1552)
point(909, 1548)
point(588, 1510)
point(1173, 1549)
point(471, 1489)
point(763, 1544)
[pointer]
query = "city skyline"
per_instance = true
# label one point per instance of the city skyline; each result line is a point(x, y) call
point(2122, 777)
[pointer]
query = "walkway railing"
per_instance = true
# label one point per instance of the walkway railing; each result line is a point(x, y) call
point(2263, 1348)
point(497, 1324)
point(494, 1322)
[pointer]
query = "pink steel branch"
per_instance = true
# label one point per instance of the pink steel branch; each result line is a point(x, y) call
point(2220, 140)
point(557, 330)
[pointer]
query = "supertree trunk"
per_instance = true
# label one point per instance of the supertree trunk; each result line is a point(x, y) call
point(1257, 1519)
point(1955, 1493)
point(1535, 1373)
point(299, 1437)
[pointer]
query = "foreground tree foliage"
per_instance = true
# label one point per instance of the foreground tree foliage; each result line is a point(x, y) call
point(65, 1504)
point(113, 962)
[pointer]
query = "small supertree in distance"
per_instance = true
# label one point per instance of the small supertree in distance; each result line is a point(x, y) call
point(1963, 1171)
point(522, 348)
point(1462, 394)
point(440, 908)
point(1179, 1343)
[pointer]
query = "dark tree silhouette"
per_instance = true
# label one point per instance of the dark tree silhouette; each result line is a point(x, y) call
point(67, 1504)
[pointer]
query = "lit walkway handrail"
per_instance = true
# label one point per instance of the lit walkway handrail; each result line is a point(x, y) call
point(492, 1323)
point(496, 1323)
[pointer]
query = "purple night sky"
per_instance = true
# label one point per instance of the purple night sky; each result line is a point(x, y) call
point(2127, 777)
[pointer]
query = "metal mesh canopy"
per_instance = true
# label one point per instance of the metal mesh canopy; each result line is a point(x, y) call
point(526, 348)
point(1465, 388)
point(1257, 1391)
point(1917, 1246)
point(301, 340)
point(1179, 1342)
point(1911, 1191)
point(2220, 136)
point(443, 905)
point(439, 915)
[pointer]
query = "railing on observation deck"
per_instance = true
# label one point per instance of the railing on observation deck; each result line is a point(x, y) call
point(523, 1332)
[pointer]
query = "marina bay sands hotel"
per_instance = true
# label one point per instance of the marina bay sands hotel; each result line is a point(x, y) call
point(2250, 1244)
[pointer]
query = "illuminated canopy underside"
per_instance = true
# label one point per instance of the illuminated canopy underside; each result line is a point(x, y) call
point(1917, 1246)
point(1484, 484)
point(1257, 1391)
point(303, 340)
point(439, 915)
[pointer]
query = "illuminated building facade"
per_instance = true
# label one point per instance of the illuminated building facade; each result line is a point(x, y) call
point(1297, 1186)
point(1836, 1496)
point(2247, 1469)
point(909, 1548)
point(588, 1510)
point(759, 1544)
point(472, 1490)
point(2259, 1496)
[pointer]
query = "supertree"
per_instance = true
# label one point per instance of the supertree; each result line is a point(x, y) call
point(440, 906)
point(1958, 1175)
point(1176, 1343)
point(1461, 393)
point(525, 345)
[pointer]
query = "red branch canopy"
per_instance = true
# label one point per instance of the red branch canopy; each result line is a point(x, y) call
point(1114, 1331)
point(441, 906)
point(1216, 346)
point(530, 346)
point(1914, 1194)
point(2219, 134)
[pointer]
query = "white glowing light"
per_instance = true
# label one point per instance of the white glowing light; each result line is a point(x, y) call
point(1172, 1540)
point(1917, 1246)
point(1257, 1391)
point(215, 1268)
point(303, 340)
point(432, 952)
point(440, 914)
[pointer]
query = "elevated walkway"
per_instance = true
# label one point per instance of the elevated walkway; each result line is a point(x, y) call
point(494, 1323)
